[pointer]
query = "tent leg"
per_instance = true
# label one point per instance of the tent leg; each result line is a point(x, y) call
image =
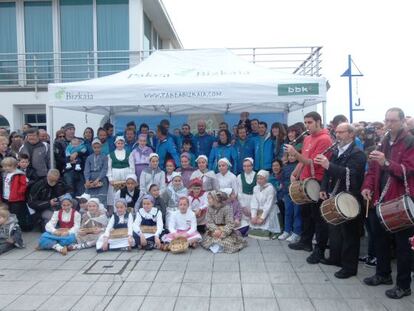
point(325, 121)
point(49, 119)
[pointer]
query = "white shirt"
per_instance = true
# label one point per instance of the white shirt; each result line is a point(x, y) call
point(342, 149)
point(122, 220)
point(120, 155)
point(186, 222)
point(153, 213)
point(51, 225)
point(6, 185)
point(229, 180)
point(263, 198)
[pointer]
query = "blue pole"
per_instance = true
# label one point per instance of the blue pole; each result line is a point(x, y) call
point(350, 87)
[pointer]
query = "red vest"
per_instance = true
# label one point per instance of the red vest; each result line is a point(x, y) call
point(68, 224)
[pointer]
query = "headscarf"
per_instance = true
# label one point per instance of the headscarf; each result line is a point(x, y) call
point(225, 160)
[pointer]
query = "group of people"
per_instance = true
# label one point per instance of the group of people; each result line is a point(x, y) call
point(137, 189)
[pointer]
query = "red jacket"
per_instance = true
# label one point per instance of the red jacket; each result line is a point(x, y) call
point(18, 187)
point(313, 145)
point(401, 152)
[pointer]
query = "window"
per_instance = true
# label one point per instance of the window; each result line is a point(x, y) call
point(147, 35)
point(76, 34)
point(112, 35)
point(8, 43)
point(36, 119)
point(38, 40)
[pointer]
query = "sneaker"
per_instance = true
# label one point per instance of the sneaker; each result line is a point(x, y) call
point(371, 262)
point(78, 167)
point(376, 280)
point(68, 166)
point(397, 292)
point(283, 236)
point(293, 238)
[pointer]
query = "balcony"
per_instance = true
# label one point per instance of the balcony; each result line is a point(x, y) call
point(36, 70)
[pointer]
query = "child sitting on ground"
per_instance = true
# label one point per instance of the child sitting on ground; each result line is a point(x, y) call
point(148, 225)
point(94, 222)
point(183, 223)
point(14, 192)
point(62, 228)
point(118, 232)
point(10, 233)
point(198, 203)
point(76, 146)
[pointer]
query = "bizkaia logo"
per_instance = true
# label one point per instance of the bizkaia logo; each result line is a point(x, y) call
point(62, 94)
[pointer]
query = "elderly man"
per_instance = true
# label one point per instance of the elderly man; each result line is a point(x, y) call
point(44, 195)
point(346, 165)
point(203, 142)
point(38, 152)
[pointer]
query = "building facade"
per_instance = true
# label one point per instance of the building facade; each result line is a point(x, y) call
point(47, 41)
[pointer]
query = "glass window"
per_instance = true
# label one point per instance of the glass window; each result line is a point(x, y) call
point(8, 43)
point(38, 40)
point(113, 35)
point(36, 119)
point(76, 32)
point(159, 45)
point(147, 35)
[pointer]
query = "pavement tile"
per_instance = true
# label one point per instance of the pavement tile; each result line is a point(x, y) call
point(103, 288)
point(195, 290)
point(300, 266)
point(158, 303)
point(73, 288)
point(278, 267)
point(87, 303)
point(15, 287)
point(169, 276)
point(145, 265)
point(321, 291)
point(27, 302)
point(257, 290)
point(203, 266)
point(226, 304)
point(366, 304)
point(226, 277)
point(289, 291)
point(284, 278)
point(397, 305)
point(173, 266)
point(353, 291)
point(260, 304)
point(295, 304)
point(195, 276)
point(252, 266)
point(226, 266)
point(313, 277)
point(134, 289)
point(59, 303)
point(141, 276)
point(159, 289)
point(226, 290)
point(330, 304)
point(124, 303)
point(6, 300)
point(45, 288)
point(254, 277)
point(192, 304)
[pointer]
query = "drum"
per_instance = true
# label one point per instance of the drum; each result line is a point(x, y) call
point(397, 214)
point(305, 191)
point(340, 208)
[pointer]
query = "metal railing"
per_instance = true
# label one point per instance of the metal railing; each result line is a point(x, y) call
point(35, 70)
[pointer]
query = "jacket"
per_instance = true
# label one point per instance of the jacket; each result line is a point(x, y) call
point(18, 187)
point(355, 160)
point(39, 155)
point(203, 144)
point(222, 151)
point(244, 149)
point(263, 152)
point(41, 193)
point(167, 149)
point(400, 152)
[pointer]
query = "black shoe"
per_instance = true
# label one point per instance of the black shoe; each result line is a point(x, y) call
point(376, 280)
point(300, 246)
point(315, 257)
point(371, 262)
point(343, 274)
point(397, 292)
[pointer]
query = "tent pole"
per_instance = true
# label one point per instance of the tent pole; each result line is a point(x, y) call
point(49, 115)
point(325, 122)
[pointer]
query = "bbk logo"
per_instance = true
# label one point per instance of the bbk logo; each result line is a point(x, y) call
point(298, 89)
point(302, 89)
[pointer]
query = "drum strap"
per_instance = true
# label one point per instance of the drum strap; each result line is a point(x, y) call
point(347, 183)
point(387, 185)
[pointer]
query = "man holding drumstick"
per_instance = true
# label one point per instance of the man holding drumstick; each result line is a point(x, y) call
point(314, 144)
point(347, 159)
point(384, 182)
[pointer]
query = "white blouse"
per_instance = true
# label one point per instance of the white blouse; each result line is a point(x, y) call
point(52, 223)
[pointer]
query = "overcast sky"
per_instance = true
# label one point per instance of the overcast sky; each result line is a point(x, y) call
point(378, 35)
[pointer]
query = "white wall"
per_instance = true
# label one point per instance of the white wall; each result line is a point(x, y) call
point(297, 116)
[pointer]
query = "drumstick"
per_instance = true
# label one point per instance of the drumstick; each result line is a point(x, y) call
point(366, 212)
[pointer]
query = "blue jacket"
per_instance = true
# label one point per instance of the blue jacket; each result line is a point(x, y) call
point(203, 144)
point(180, 140)
point(263, 153)
point(166, 149)
point(219, 152)
point(244, 149)
point(287, 171)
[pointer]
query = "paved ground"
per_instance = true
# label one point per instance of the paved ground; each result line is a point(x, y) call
point(266, 275)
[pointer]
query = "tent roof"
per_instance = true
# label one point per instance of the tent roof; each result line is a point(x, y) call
point(190, 81)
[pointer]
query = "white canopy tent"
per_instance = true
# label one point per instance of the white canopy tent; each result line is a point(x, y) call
point(187, 82)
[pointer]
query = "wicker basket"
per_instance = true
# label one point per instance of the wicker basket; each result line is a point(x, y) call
point(119, 233)
point(148, 229)
point(119, 184)
point(90, 230)
point(61, 230)
point(178, 245)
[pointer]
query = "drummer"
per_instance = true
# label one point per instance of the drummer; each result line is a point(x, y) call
point(343, 238)
point(385, 165)
point(313, 144)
